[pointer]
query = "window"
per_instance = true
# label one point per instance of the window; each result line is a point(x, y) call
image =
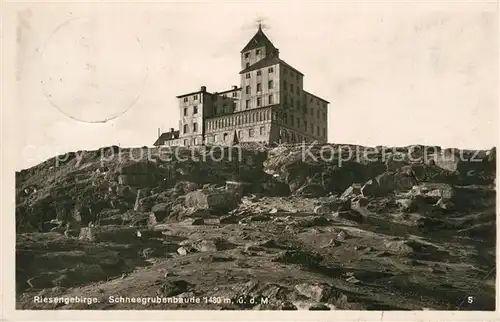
point(270, 70)
point(312, 112)
point(305, 125)
point(285, 100)
point(235, 94)
point(291, 102)
point(312, 128)
point(196, 140)
point(185, 142)
point(224, 95)
point(271, 99)
point(240, 134)
point(259, 87)
point(317, 114)
point(259, 73)
point(186, 128)
point(270, 84)
point(185, 111)
point(298, 122)
point(225, 108)
point(298, 89)
point(248, 65)
point(195, 127)
point(195, 110)
point(251, 133)
point(258, 101)
point(257, 52)
point(216, 138)
point(247, 75)
point(247, 104)
point(225, 136)
point(285, 71)
point(247, 89)
point(324, 132)
point(285, 118)
point(317, 130)
point(261, 130)
point(292, 120)
point(324, 115)
point(195, 97)
point(185, 99)
point(247, 55)
point(291, 88)
point(285, 84)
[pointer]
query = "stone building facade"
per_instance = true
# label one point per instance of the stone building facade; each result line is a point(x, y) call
point(270, 105)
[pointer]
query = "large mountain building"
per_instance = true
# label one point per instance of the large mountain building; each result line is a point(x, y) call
point(270, 105)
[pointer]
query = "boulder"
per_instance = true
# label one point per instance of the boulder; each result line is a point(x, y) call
point(386, 183)
point(161, 210)
point(215, 200)
point(351, 192)
point(87, 233)
point(399, 247)
point(434, 190)
point(320, 292)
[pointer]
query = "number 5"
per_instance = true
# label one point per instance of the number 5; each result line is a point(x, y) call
point(470, 299)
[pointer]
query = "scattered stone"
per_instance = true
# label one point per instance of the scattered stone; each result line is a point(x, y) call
point(322, 209)
point(320, 292)
point(183, 251)
point(341, 236)
point(399, 247)
point(351, 192)
point(172, 288)
point(152, 221)
point(273, 211)
point(87, 233)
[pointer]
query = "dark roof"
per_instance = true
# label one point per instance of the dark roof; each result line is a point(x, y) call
point(268, 61)
point(188, 94)
point(167, 136)
point(258, 40)
point(229, 91)
point(322, 99)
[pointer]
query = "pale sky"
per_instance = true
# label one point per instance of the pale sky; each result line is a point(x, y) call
point(395, 74)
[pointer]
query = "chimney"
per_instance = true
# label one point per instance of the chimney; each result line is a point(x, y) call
point(235, 87)
point(171, 130)
point(158, 132)
point(203, 89)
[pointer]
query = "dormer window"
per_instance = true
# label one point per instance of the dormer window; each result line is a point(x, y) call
point(259, 73)
point(247, 75)
point(248, 65)
point(257, 51)
point(247, 55)
point(270, 70)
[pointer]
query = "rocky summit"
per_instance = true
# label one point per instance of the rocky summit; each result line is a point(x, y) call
point(287, 227)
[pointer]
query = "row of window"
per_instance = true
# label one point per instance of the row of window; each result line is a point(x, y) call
point(248, 88)
point(270, 101)
point(225, 137)
point(296, 122)
point(195, 110)
point(270, 70)
point(239, 120)
point(257, 52)
point(185, 128)
point(195, 97)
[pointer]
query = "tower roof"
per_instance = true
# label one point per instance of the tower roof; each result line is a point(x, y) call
point(258, 40)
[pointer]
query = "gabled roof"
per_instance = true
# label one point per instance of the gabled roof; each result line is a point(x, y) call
point(268, 61)
point(167, 136)
point(258, 40)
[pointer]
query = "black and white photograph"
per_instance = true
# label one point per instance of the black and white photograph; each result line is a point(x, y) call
point(251, 156)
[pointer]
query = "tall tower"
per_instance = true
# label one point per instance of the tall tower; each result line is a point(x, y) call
point(258, 48)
